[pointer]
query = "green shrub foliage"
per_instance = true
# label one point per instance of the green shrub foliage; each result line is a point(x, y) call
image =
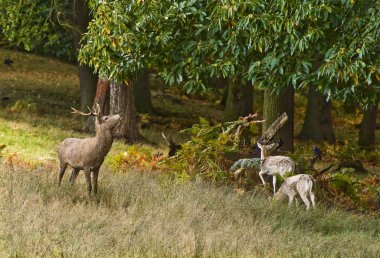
point(35, 26)
point(206, 154)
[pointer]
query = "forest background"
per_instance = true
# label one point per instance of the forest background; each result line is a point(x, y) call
point(189, 69)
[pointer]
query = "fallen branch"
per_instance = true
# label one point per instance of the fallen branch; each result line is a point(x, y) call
point(273, 129)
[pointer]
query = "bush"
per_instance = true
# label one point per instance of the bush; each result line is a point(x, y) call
point(138, 157)
point(205, 154)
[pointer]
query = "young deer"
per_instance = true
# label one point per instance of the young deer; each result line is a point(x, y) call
point(273, 165)
point(88, 154)
point(302, 184)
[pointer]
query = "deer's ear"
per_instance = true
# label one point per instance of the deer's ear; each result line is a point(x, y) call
point(270, 146)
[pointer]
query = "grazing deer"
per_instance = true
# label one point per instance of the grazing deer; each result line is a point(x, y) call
point(173, 147)
point(273, 165)
point(302, 184)
point(88, 154)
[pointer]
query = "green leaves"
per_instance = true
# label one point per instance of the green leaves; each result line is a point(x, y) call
point(33, 25)
point(273, 43)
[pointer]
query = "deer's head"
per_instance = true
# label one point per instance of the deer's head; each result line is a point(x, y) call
point(265, 149)
point(102, 123)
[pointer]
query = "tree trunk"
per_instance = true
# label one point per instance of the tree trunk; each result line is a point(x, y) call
point(222, 83)
point(367, 131)
point(318, 124)
point(102, 98)
point(239, 100)
point(142, 93)
point(276, 104)
point(122, 102)
point(87, 79)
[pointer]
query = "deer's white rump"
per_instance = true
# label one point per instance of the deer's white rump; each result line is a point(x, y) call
point(301, 184)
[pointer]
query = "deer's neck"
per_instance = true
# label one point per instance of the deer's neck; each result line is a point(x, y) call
point(103, 142)
point(263, 154)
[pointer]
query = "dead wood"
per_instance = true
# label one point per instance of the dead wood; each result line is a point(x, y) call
point(273, 129)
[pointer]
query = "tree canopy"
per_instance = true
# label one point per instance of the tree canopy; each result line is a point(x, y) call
point(34, 25)
point(273, 43)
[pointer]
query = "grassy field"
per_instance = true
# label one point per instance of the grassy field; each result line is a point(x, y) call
point(141, 213)
point(138, 215)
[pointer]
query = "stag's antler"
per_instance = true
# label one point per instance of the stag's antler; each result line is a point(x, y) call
point(93, 112)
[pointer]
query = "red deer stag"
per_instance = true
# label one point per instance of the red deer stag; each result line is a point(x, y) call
point(88, 154)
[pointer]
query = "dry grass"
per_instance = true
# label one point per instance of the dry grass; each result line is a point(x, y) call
point(140, 215)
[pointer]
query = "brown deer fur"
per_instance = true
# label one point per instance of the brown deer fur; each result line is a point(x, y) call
point(88, 154)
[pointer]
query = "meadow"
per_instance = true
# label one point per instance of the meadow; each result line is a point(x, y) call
point(143, 213)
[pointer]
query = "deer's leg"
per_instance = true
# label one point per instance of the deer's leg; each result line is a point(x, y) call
point(312, 198)
point(261, 176)
point(274, 184)
point(87, 173)
point(62, 169)
point(305, 200)
point(95, 179)
point(291, 199)
point(74, 175)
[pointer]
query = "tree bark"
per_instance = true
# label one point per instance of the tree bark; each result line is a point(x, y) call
point(122, 102)
point(222, 83)
point(87, 79)
point(276, 104)
point(367, 131)
point(318, 124)
point(239, 100)
point(102, 98)
point(142, 95)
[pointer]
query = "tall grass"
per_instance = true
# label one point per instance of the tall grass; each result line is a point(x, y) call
point(140, 215)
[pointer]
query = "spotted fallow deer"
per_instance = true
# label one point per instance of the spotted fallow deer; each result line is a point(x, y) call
point(301, 184)
point(88, 154)
point(274, 165)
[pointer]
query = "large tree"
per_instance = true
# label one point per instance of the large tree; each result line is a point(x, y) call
point(79, 18)
point(318, 123)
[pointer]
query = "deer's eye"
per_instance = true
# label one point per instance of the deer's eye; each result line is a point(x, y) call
point(106, 118)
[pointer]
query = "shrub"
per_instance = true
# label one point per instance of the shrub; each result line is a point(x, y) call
point(138, 157)
point(205, 154)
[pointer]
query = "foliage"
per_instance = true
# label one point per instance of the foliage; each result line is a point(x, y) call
point(273, 43)
point(34, 26)
point(352, 63)
point(350, 190)
point(205, 154)
point(139, 157)
point(351, 150)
